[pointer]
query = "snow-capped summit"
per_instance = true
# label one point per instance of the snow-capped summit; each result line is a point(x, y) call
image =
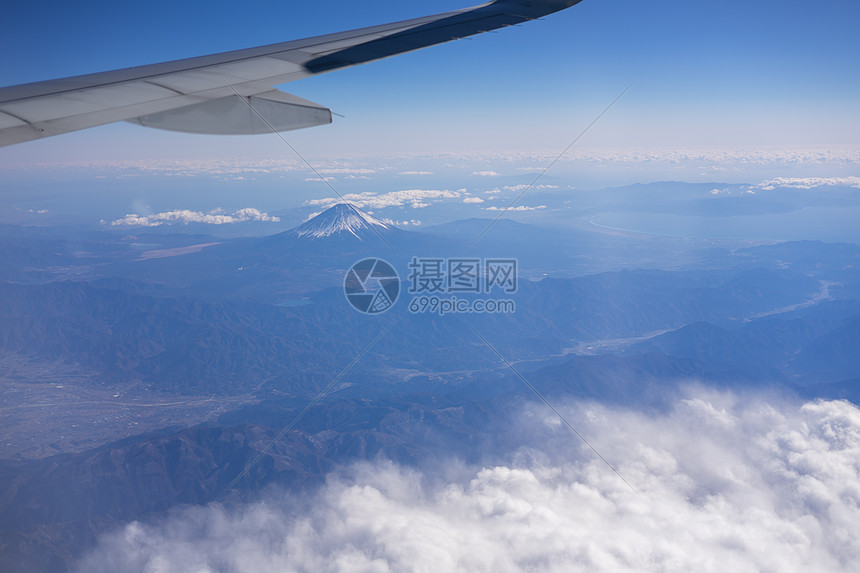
point(340, 220)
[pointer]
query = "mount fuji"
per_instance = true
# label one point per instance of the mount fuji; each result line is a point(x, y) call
point(341, 220)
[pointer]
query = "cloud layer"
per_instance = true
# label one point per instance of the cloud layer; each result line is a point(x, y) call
point(722, 484)
point(810, 182)
point(517, 208)
point(184, 217)
point(415, 198)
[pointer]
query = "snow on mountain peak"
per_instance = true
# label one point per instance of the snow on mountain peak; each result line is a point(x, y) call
point(342, 218)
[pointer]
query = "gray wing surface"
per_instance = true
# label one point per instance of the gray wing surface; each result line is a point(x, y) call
point(216, 93)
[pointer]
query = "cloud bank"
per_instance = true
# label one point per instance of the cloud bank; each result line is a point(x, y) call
point(846, 155)
point(184, 217)
point(414, 198)
point(517, 208)
point(809, 182)
point(722, 484)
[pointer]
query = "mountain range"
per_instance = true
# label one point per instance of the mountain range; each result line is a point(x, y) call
point(258, 327)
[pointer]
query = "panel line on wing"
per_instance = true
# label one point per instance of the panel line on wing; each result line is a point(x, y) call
point(156, 84)
point(17, 121)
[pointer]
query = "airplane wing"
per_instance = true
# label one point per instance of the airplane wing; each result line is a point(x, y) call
point(232, 92)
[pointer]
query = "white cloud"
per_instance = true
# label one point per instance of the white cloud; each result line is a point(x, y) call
point(415, 198)
point(473, 200)
point(710, 158)
point(346, 171)
point(184, 217)
point(515, 188)
point(404, 223)
point(523, 187)
point(485, 173)
point(722, 484)
point(181, 167)
point(517, 208)
point(809, 182)
point(717, 156)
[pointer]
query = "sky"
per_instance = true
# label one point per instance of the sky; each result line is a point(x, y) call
point(705, 73)
point(725, 92)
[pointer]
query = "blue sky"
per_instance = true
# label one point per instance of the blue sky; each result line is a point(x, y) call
point(707, 73)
